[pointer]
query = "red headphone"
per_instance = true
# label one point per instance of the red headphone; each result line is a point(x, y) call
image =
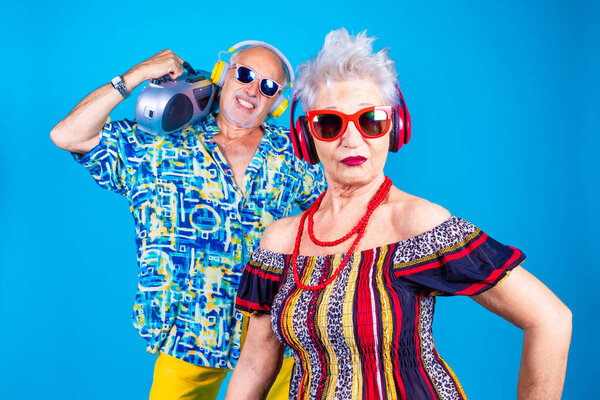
point(304, 145)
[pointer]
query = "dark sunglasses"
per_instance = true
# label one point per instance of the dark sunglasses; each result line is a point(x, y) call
point(371, 122)
point(245, 75)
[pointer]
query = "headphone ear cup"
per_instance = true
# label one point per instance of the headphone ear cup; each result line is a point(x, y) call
point(278, 107)
point(219, 72)
point(295, 140)
point(406, 125)
point(305, 141)
point(397, 131)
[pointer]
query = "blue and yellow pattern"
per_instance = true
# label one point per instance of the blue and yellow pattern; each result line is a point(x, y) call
point(195, 228)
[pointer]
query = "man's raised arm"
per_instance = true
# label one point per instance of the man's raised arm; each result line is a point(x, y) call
point(78, 131)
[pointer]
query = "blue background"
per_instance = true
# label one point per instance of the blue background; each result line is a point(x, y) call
point(503, 97)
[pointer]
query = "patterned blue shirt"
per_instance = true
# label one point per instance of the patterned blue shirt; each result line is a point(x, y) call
point(195, 228)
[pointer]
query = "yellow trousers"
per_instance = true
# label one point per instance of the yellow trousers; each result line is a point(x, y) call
point(175, 379)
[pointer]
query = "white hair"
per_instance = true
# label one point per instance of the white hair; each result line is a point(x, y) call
point(346, 58)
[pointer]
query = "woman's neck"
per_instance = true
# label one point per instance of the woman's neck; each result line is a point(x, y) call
point(341, 197)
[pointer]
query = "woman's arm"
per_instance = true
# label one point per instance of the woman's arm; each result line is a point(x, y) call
point(546, 322)
point(259, 361)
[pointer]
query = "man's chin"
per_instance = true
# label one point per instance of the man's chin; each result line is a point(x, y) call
point(248, 122)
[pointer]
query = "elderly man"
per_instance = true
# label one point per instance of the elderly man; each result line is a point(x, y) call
point(200, 200)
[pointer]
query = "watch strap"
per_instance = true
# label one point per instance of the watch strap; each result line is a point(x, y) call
point(118, 83)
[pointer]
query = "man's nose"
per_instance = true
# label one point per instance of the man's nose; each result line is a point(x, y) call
point(252, 88)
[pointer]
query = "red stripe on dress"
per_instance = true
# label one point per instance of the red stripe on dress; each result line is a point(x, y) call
point(398, 319)
point(263, 274)
point(493, 276)
point(302, 384)
point(444, 260)
point(418, 346)
point(364, 328)
point(251, 305)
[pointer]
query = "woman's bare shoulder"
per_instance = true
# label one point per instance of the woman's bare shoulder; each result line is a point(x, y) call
point(417, 215)
point(280, 236)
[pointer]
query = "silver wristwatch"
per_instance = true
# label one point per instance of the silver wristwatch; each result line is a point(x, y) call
point(118, 84)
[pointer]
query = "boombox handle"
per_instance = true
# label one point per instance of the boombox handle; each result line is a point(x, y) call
point(186, 65)
point(188, 68)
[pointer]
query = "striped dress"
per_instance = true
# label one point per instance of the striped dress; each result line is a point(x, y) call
point(368, 335)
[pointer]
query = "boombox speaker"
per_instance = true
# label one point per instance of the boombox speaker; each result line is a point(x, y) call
point(167, 105)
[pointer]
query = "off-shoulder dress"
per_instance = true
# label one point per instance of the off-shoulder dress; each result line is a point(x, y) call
point(368, 335)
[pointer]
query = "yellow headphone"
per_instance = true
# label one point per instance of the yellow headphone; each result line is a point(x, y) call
point(222, 67)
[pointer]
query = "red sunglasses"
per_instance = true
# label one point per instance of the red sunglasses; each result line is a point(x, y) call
point(329, 125)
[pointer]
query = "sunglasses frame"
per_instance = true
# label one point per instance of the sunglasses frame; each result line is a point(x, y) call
point(310, 115)
point(259, 77)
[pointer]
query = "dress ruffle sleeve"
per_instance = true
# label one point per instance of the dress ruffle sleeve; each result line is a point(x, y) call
point(455, 258)
point(260, 282)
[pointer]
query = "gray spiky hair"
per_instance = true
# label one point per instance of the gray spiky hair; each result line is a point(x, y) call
point(345, 58)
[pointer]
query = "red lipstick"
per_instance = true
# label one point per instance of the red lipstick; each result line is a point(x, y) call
point(356, 160)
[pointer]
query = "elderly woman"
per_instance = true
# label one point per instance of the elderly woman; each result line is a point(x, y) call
point(350, 285)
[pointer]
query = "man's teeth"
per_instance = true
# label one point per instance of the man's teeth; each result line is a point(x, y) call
point(245, 103)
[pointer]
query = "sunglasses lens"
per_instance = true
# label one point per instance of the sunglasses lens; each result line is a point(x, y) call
point(327, 126)
point(245, 75)
point(268, 87)
point(374, 122)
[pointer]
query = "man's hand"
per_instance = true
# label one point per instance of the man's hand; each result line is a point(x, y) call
point(164, 63)
point(78, 131)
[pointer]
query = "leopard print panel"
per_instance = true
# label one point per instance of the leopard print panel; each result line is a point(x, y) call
point(296, 379)
point(329, 325)
point(446, 235)
point(445, 386)
point(300, 334)
point(335, 334)
point(286, 284)
point(270, 262)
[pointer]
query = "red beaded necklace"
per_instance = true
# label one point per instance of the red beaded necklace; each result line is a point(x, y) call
point(359, 229)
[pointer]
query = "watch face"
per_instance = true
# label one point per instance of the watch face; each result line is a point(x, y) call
point(118, 84)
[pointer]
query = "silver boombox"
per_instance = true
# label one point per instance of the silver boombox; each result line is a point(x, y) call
point(167, 105)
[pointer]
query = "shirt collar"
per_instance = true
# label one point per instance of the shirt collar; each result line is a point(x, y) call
point(208, 128)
